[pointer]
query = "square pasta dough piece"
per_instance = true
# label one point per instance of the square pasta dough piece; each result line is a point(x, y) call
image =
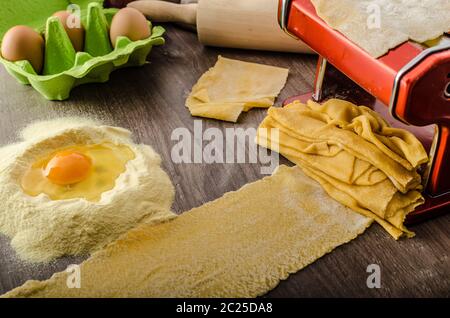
point(235, 86)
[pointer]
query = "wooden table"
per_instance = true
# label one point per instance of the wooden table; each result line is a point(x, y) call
point(150, 101)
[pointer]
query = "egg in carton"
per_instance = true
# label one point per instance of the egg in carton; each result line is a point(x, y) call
point(64, 68)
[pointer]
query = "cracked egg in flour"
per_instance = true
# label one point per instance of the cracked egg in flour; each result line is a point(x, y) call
point(81, 171)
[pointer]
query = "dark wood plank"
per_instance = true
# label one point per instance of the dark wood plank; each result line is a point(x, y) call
point(150, 102)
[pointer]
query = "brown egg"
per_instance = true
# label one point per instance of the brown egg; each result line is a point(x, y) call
point(76, 35)
point(24, 43)
point(131, 23)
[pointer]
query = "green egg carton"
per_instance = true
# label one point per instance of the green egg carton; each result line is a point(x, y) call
point(64, 68)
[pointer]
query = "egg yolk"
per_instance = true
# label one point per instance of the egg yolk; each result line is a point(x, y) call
point(68, 167)
point(81, 171)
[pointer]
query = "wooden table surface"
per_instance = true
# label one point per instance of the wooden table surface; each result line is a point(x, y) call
point(150, 101)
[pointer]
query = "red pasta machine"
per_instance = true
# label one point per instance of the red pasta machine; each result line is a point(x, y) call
point(409, 87)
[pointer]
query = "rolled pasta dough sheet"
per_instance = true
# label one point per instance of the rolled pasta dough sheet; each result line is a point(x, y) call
point(240, 245)
point(399, 21)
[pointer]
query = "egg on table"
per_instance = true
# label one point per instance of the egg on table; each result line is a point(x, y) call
point(74, 31)
point(24, 43)
point(81, 171)
point(131, 23)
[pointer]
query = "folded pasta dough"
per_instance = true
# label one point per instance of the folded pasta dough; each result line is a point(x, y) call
point(306, 123)
point(353, 153)
point(382, 202)
point(240, 245)
point(393, 224)
point(398, 144)
point(231, 87)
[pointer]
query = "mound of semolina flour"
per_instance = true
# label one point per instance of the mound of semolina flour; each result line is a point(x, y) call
point(42, 229)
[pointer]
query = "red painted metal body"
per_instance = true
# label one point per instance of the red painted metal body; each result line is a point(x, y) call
point(420, 101)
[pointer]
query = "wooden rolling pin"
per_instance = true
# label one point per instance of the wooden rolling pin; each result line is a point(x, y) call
point(246, 24)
